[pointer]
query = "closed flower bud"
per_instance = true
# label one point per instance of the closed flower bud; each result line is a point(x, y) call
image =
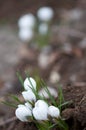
point(43, 29)
point(40, 111)
point(52, 91)
point(29, 95)
point(29, 83)
point(53, 111)
point(23, 113)
point(45, 14)
point(27, 21)
point(26, 34)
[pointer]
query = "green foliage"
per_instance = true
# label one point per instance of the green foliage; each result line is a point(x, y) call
point(20, 79)
point(9, 104)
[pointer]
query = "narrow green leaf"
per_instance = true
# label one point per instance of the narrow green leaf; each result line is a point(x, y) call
point(65, 104)
point(62, 124)
point(60, 97)
point(49, 94)
point(16, 98)
point(9, 104)
point(50, 127)
point(20, 79)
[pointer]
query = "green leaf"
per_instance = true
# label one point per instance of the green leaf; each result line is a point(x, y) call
point(20, 79)
point(49, 94)
point(9, 104)
point(53, 125)
point(65, 104)
point(62, 124)
point(16, 98)
point(60, 97)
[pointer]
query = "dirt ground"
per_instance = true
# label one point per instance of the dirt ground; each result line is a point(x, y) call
point(65, 55)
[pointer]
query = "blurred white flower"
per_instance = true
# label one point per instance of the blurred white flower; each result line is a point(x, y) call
point(53, 111)
point(43, 28)
point(26, 34)
point(23, 113)
point(29, 95)
point(27, 21)
point(43, 60)
point(45, 14)
point(52, 91)
point(40, 110)
point(54, 77)
point(71, 15)
point(75, 14)
point(29, 83)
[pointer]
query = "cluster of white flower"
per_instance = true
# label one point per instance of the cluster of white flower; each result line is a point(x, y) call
point(35, 108)
point(27, 23)
point(45, 14)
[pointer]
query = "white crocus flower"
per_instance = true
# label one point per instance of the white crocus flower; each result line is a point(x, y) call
point(43, 28)
point(52, 91)
point(29, 83)
point(29, 95)
point(23, 113)
point(27, 21)
point(45, 14)
point(40, 110)
point(53, 111)
point(26, 34)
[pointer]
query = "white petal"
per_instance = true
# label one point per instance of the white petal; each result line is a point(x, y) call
point(29, 83)
point(21, 105)
point(41, 103)
point(22, 113)
point(40, 111)
point(45, 13)
point(53, 111)
point(29, 95)
point(39, 114)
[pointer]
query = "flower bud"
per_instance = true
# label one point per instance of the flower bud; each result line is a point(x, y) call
point(26, 34)
point(40, 110)
point(27, 21)
point(29, 83)
point(53, 111)
point(43, 29)
point(29, 95)
point(45, 14)
point(23, 113)
point(51, 90)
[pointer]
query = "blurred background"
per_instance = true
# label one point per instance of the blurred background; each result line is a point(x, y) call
point(62, 57)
